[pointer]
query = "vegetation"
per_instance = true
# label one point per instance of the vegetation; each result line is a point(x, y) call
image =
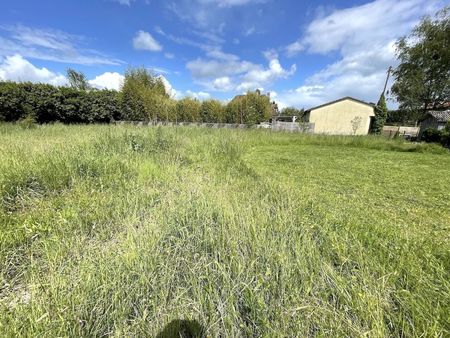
point(115, 230)
point(422, 80)
point(143, 97)
point(251, 108)
point(437, 136)
point(77, 80)
point(291, 111)
point(46, 103)
point(381, 113)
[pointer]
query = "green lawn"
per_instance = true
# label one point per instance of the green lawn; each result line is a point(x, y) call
point(119, 231)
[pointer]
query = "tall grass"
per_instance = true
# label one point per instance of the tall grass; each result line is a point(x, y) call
point(119, 231)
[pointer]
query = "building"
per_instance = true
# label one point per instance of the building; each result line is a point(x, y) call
point(346, 116)
point(436, 119)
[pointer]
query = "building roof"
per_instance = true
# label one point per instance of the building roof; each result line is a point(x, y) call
point(341, 99)
point(440, 115)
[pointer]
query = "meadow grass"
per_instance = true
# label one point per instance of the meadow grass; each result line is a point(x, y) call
point(121, 230)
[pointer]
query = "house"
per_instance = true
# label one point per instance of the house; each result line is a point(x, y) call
point(436, 119)
point(346, 116)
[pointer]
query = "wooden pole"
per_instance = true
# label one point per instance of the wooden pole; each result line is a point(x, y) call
point(387, 79)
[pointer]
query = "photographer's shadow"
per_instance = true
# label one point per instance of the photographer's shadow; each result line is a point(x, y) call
point(182, 329)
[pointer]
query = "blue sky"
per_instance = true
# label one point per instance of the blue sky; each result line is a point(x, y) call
point(303, 52)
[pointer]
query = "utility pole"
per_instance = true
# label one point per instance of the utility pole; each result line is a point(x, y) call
point(387, 79)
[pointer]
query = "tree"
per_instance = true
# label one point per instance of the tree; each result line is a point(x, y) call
point(143, 95)
point(212, 111)
point(381, 112)
point(422, 79)
point(77, 80)
point(291, 111)
point(250, 109)
point(188, 110)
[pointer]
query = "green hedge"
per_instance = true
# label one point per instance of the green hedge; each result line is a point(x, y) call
point(142, 98)
point(432, 135)
point(47, 103)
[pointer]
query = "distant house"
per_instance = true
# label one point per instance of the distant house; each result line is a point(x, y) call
point(346, 116)
point(436, 119)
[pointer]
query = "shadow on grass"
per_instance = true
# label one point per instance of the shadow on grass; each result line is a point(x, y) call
point(182, 329)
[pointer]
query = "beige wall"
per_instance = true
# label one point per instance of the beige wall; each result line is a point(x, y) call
point(336, 118)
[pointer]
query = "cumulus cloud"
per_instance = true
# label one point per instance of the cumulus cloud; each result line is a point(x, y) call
point(259, 77)
point(16, 68)
point(50, 45)
point(169, 89)
point(145, 41)
point(222, 84)
point(226, 72)
point(108, 80)
point(198, 95)
point(364, 37)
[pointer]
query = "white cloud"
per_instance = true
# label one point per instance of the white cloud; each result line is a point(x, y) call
point(225, 72)
point(123, 2)
point(108, 80)
point(16, 68)
point(364, 38)
point(294, 48)
point(169, 55)
point(50, 45)
point(212, 15)
point(223, 84)
point(145, 41)
point(169, 89)
point(198, 95)
point(201, 68)
point(259, 77)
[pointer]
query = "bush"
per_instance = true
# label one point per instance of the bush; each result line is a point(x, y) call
point(28, 122)
point(47, 103)
point(431, 135)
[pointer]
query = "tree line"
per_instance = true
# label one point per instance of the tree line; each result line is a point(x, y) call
point(142, 97)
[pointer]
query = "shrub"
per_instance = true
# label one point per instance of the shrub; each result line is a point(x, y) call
point(28, 122)
point(431, 135)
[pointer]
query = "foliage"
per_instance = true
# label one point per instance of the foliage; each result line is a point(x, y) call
point(47, 103)
point(433, 135)
point(422, 80)
point(77, 80)
point(28, 122)
point(119, 231)
point(188, 110)
point(142, 95)
point(292, 111)
point(401, 118)
point(212, 111)
point(380, 117)
point(251, 108)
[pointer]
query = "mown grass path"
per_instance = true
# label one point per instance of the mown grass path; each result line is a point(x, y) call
point(108, 230)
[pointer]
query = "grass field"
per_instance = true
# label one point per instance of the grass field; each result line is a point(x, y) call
point(119, 231)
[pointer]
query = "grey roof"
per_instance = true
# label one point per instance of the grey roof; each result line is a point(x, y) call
point(341, 99)
point(440, 115)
